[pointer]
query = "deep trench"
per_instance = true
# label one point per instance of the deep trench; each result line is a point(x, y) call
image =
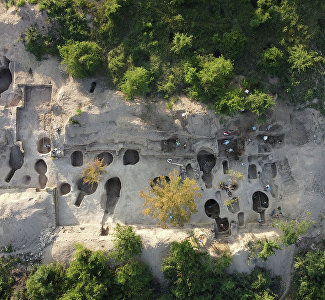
point(260, 203)
point(212, 209)
point(5, 79)
point(130, 157)
point(77, 159)
point(225, 166)
point(16, 161)
point(241, 219)
point(206, 162)
point(106, 157)
point(84, 189)
point(113, 189)
point(44, 145)
point(252, 172)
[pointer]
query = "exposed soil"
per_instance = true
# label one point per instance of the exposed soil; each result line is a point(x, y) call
point(269, 169)
point(131, 157)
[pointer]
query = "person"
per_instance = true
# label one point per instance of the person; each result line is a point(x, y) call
point(184, 115)
point(246, 91)
point(254, 128)
point(273, 213)
point(178, 143)
point(265, 137)
point(226, 133)
point(47, 146)
point(226, 142)
point(259, 221)
point(268, 188)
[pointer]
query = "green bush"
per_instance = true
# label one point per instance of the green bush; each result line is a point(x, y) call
point(136, 82)
point(233, 43)
point(21, 3)
point(232, 102)
point(6, 280)
point(272, 58)
point(35, 42)
point(127, 244)
point(309, 276)
point(182, 42)
point(293, 230)
point(82, 58)
point(133, 280)
point(258, 102)
point(48, 282)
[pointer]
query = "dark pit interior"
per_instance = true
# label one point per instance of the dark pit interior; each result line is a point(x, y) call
point(241, 219)
point(263, 148)
point(42, 179)
point(106, 157)
point(85, 189)
point(222, 224)
point(92, 87)
point(40, 166)
point(157, 180)
point(225, 166)
point(237, 146)
point(260, 203)
point(212, 208)
point(65, 188)
point(16, 161)
point(77, 159)
point(270, 170)
point(169, 145)
point(5, 79)
point(252, 172)
point(44, 145)
point(206, 162)
point(113, 189)
point(131, 157)
point(27, 179)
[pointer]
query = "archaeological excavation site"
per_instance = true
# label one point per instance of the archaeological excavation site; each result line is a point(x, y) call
point(250, 173)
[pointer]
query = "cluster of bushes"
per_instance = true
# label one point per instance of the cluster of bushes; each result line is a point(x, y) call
point(191, 274)
point(169, 46)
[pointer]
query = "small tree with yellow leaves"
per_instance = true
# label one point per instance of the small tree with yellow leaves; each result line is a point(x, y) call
point(235, 176)
point(93, 171)
point(171, 202)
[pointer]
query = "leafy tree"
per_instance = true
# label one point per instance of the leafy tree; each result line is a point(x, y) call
point(35, 42)
point(189, 272)
point(233, 43)
point(310, 276)
point(93, 171)
point(272, 58)
point(48, 282)
point(82, 58)
point(6, 280)
point(181, 43)
point(171, 202)
point(136, 82)
point(232, 102)
point(264, 248)
point(293, 230)
point(88, 276)
point(300, 59)
point(134, 279)
point(116, 64)
point(258, 102)
point(127, 244)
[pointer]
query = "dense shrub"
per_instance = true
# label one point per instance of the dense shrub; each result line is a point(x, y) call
point(258, 102)
point(233, 43)
point(272, 58)
point(6, 280)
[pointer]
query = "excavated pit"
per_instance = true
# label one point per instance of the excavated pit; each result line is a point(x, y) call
point(157, 180)
point(113, 189)
point(131, 157)
point(234, 207)
point(274, 141)
point(225, 166)
point(5, 79)
point(77, 159)
point(92, 87)
point(16, 161)
point(241, 219)
point(212, 209)
point(169, 145)
point(260, 203)
point(106, 157)
point(85, 189)
point(41, 169)
point(264, 148)
point(252, 172)
point(237, 147)
point(206, 161)
point(65, 188)
point(189, 171)
point(270, 170)
point(44, 145)
point(222, 225)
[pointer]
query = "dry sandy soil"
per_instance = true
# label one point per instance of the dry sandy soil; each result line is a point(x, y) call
point(44, 210)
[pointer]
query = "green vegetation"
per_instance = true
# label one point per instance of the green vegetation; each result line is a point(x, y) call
point(6, 280)
point(167, 47)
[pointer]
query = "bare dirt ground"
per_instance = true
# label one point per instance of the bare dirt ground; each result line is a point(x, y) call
point(41, 211)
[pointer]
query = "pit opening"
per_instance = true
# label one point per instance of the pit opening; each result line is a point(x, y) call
point(189, 171)
point(27, 179)
point(260, 203)
point(234, 206)
point(252, 172)
point(264, 148)
point(157, 180)
point(106, 157)
point(212, 209)
point(131, 157)
point(85, 189)
point(5, 79)
point(65, 188)
point(222, 224)
point(42, 180)
point(44, 145)
point(77, 159)
point(275, 141)
point(92, 87)
point(41, 167)
point(113, 189)
point(269, 170)
point(206, 162)
point(16, 161)
point(231, 148)
point(169, 145)
point(241, 219)
point(225, 166)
